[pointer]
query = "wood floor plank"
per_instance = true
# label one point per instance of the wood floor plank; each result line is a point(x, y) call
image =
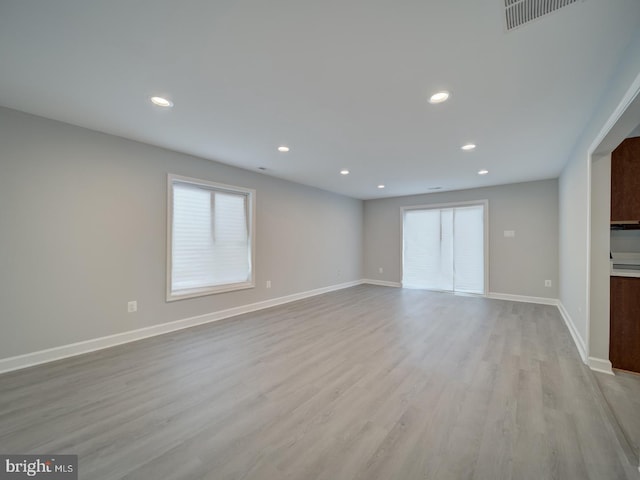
point(364, 383)
point(622, 392)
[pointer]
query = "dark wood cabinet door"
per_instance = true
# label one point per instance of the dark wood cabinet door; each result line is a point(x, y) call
point(624, 337)
point(625, 181)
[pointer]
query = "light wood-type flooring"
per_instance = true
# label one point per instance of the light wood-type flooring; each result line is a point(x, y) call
point(622, 393)
point(367, 383)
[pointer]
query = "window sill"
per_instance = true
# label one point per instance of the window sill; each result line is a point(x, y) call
point(202, 292)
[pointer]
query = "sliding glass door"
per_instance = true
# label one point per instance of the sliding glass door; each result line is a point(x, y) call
point(444, 248)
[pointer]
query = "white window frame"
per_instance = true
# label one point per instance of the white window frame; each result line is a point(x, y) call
point(435, 206)
point(251, 208)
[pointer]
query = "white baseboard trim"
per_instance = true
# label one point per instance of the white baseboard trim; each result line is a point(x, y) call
point(522, 298)
point(382, 283)
point(58, 353)
point(577, 339)
point(600, 365)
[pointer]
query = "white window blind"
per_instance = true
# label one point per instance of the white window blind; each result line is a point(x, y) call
point(444, 249)
point(468, 249)
point(428, 249)
point(210, 238)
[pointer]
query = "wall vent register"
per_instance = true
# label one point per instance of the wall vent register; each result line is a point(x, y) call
point(520, 12)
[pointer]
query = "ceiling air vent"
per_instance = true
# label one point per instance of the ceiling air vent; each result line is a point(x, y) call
point(519, 12)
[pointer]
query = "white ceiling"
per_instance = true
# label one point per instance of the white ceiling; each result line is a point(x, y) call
point(344, 83)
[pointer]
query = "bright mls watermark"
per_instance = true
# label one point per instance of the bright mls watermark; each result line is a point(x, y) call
point(51, 467)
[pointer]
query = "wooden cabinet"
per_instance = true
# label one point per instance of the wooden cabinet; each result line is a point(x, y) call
point(625, 181)
point(624, 338)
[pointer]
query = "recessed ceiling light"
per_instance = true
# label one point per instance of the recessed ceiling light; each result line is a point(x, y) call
point(439, 97)
point(344, 172)
point(283, 148)
point(161, 102)
point(483, 172)
point(468, 147)
point(381, 186)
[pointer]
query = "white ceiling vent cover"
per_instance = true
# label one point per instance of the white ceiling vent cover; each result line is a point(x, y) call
point(519, 12)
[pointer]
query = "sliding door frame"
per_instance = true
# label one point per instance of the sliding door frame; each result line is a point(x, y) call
point(437, 206)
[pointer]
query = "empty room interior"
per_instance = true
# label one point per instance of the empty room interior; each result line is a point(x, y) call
point(320, 240)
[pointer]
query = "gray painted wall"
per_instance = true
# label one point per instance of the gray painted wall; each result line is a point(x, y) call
point(517, 266)
point(83, 227)
point(575, 198)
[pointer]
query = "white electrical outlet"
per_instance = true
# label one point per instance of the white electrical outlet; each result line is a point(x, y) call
point(268, 283)
point(380, 270)
point(509, 233)
point(547, 283)
point(132, 306)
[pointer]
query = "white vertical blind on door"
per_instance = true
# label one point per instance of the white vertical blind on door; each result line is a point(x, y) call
point(443, 249)
point(428, 249)
point(468, 249)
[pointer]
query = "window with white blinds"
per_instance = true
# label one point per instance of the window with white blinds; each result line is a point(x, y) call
point(444, 248)
point(210, 238)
